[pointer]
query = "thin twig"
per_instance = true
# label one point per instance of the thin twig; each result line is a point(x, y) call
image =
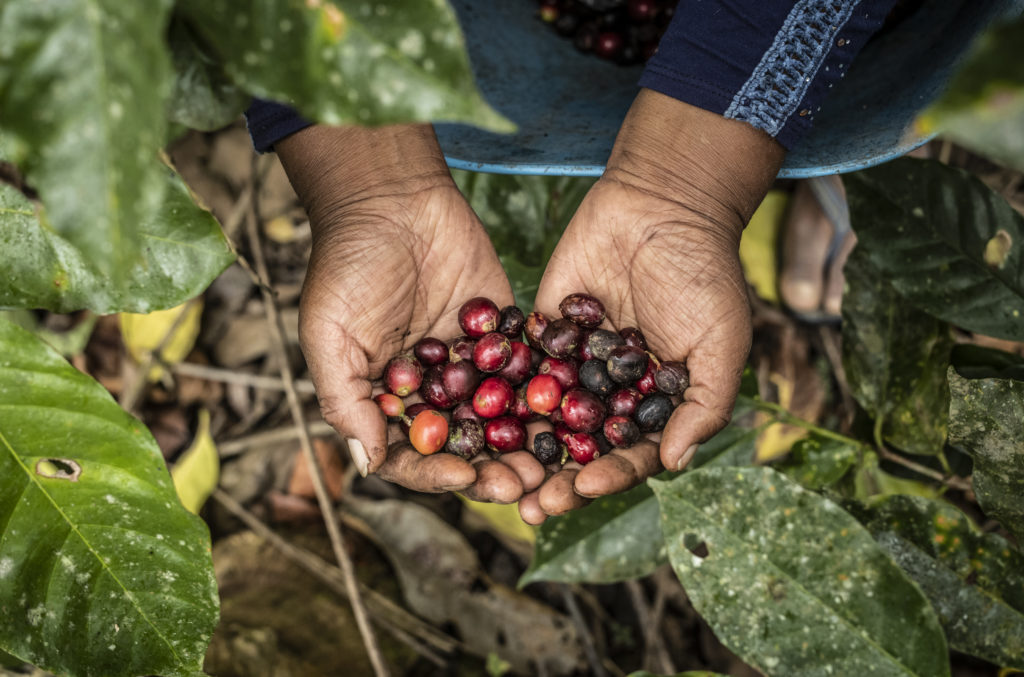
point(596, 666)
point(655, 655)
point(952, 481)
point(208, 373)
point(666, 665)
point(229, 448)
point(279, 345)
point(400, 623)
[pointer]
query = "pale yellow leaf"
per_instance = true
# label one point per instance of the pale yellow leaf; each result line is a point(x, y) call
point(280, 230)
point(758, 246)
point(145, 333)
point(197, 471)
point(778, 439)
point(504, 518)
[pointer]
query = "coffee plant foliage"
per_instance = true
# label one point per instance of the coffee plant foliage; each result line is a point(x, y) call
point(826, 560)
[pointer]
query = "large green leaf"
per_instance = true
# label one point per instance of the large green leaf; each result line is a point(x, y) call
point(817, 462)
point(203, 97)
point(83, 85)
point(102, 571)
point(975, 581)
point(183, 251)
point(895, 358)
point(688, 673)
point(790, 582)
point(346, 62)
point(986, 419)
point(948, 244)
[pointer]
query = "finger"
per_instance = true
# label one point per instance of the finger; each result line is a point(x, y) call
point(557, 496)
point(619, 470)
point(529, 509)
point(526, 466)
point(696, 420)
point(495, 482)
point(432, 474)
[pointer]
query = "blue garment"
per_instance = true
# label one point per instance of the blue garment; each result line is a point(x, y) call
point(769, 63)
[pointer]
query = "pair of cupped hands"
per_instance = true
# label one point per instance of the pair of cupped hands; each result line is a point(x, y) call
point(397, 250)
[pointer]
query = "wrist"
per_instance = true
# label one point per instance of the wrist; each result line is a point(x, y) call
point(716, 168)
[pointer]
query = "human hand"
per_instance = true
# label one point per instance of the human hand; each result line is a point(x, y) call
point(396, 252)
point(657, 239)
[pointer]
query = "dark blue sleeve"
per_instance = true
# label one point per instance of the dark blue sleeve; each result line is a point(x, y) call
point(766, 62)
point(269, 122)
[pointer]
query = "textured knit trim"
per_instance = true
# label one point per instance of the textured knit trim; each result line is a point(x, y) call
point(780, 81)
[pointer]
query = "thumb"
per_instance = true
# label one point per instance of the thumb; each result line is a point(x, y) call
point(705, 411)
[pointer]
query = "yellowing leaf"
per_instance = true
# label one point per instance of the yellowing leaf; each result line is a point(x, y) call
point(197, 471)
point(758, 245)
point(503, 517)
point(145, 333)
point(280, 230)
point(778, 439)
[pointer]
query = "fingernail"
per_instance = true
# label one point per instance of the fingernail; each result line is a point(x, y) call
point(359, 457)
point(687, 456)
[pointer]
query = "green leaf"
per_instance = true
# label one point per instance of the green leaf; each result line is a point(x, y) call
point(971, 361)
point(870, 480)
point(82, 86)
point(983, 108)
point(102, 571)
point(203, 97)
point(985, 420)
point(347, 62)
point(688, 673)
point(948, 244)
point(895, 358)
point(817, 462)
point(790, 582)
point(183, 251)
point(975, 581)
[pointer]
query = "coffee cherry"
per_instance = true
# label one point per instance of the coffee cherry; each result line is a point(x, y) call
point(505, 433)
point(653, 412)
point(432, 389)
point(562, 432)
point(428, 432)
point(493, 398)
point(543, 394)
point(585, 38)
point(478, 316)
point(460, 380)
point(626, 364)
point(602, 341)
point(430, 351)
point(623, 402)
point(582, 309)
point(672, 378)
point(461, 348)
point(548, 12)
point(565, 371)
point(567, 25)
point(520, 408)
point(547, 449)
point(536, 323)
point(646, 384)
point(594, 377)
point(620, 431)
point(583, 353)
point(634, 337)
point(608, 45)
point(582, 447)
point(511, 322)
point(520, 364)
point(582, 410)
point(411, 412)
point(464, 410)
point(492, 352)
point(403, 375)
point(561, 338)
point(392, 405)
point(642, 10)
point(465, 438)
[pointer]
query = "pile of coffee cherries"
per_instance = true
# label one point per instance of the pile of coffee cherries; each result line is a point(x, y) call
point(599, 389)
point(624, 31)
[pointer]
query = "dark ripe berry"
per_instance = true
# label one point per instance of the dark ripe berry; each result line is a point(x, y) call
point(634, 337)
point(566, 371)
point(511, 322)
point(556, 415)
point(645, 384)
point(520, 408)
point(478, 316)
point(547, 448)
point(567, 25)
point(648, 50)
point(583, 353)
point(392, 405)
point(403, 375)
point(548, 13)
point(582, 447)
point(492, 352)
point(561, 432)
point(411, 412)
point(464, 410)
point(594, 377)
point(506, 433)
point(629, 55)
point(543, 394)
point(536, 323)
point(623, 402)
point(608, 45)
point(621, 432)
point(432, 389)
point(519, 365)
point(642, 10)
point(428, 432)
point(461, 348)
point(585, 38)
point(582, 309)
point(601, 342)
point(465, 438)
point(493, 398)
point(460, 380)
point(653, 412)
point(536, 357)
point(582, 410)
point(603, 445)
point(561, 338)
point(430, 351)
point(672, 378)
point(626, 364)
